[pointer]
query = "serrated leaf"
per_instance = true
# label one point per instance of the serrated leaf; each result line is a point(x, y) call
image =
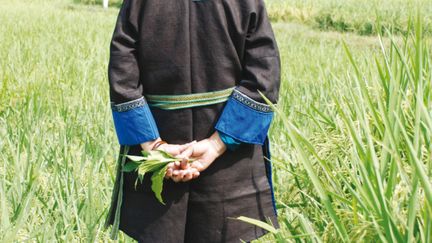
point(130, 166)
point(157, 183)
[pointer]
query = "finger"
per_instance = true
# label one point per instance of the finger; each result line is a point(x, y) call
point(175, 178)
point(175, 173)
point(171, 165)
point(198, 165)
point(179, 177)
point(169, 170)
point(184, 163)
point(194, 172)
point(188, 176)
point(182, 174)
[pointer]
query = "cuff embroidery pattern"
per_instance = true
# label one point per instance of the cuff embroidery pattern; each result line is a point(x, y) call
point(250, 102)
point(128, 105)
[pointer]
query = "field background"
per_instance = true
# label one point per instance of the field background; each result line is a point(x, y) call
point(58, 146)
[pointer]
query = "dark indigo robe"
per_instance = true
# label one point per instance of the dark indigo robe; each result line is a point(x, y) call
point(173, 47)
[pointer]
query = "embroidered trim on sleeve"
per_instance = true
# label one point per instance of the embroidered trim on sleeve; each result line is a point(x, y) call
point(128, 105)
point(244, 99)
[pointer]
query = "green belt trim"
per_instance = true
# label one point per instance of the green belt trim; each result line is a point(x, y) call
point(173, 102)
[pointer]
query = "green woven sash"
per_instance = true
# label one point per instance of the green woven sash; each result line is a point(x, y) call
point(173, 102)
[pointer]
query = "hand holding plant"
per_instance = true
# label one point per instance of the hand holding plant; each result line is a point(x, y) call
point(156, 162)
point(204, 153)
point(178, 162)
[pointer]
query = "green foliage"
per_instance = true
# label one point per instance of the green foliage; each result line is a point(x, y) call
point(258, 223)
point(361, 17)
point(364, 174)
point(157, 182)
point(155, 162)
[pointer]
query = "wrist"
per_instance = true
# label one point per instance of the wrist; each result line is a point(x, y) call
point(147, 146)
point(217, 142)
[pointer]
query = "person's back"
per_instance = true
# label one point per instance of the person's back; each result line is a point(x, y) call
point(171, 49)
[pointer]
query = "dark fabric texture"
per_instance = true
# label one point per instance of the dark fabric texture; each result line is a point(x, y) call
point(167, 47)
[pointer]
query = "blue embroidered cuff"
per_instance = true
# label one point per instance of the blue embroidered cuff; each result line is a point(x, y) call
point(134, 122)
point(231, 143)
point(245, 119)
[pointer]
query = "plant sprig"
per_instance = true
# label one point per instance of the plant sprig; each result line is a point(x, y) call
point(154, 161)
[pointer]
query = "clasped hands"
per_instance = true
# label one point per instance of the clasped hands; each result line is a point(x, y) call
point(203, 153)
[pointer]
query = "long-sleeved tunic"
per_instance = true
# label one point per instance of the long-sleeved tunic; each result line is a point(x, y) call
point(181, 47)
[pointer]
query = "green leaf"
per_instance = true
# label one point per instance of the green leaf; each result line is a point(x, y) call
point(136, 184)
point(136, 158)
point(145, 153)
point(157, 183)
point(165, 154)
point(130, 166)
point(158, 155)
point(142, 170)
point(258, 223)
point(150, 166)
point(140, 178)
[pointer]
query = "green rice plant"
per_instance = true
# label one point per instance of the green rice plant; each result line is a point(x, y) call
point(361, 17)
point(376, 185)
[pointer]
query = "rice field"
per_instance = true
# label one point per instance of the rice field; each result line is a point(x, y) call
point(365, 17)
point(352, 147)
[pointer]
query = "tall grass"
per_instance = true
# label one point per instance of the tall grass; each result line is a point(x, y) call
point(56, 138)
point(366, 175)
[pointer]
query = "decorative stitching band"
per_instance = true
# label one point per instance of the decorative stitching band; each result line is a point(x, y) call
point(128, 105)
point(184, 98)
point(173, 102)
point(244, 99)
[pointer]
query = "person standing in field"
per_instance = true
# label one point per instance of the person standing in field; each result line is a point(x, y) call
point(185, 76)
